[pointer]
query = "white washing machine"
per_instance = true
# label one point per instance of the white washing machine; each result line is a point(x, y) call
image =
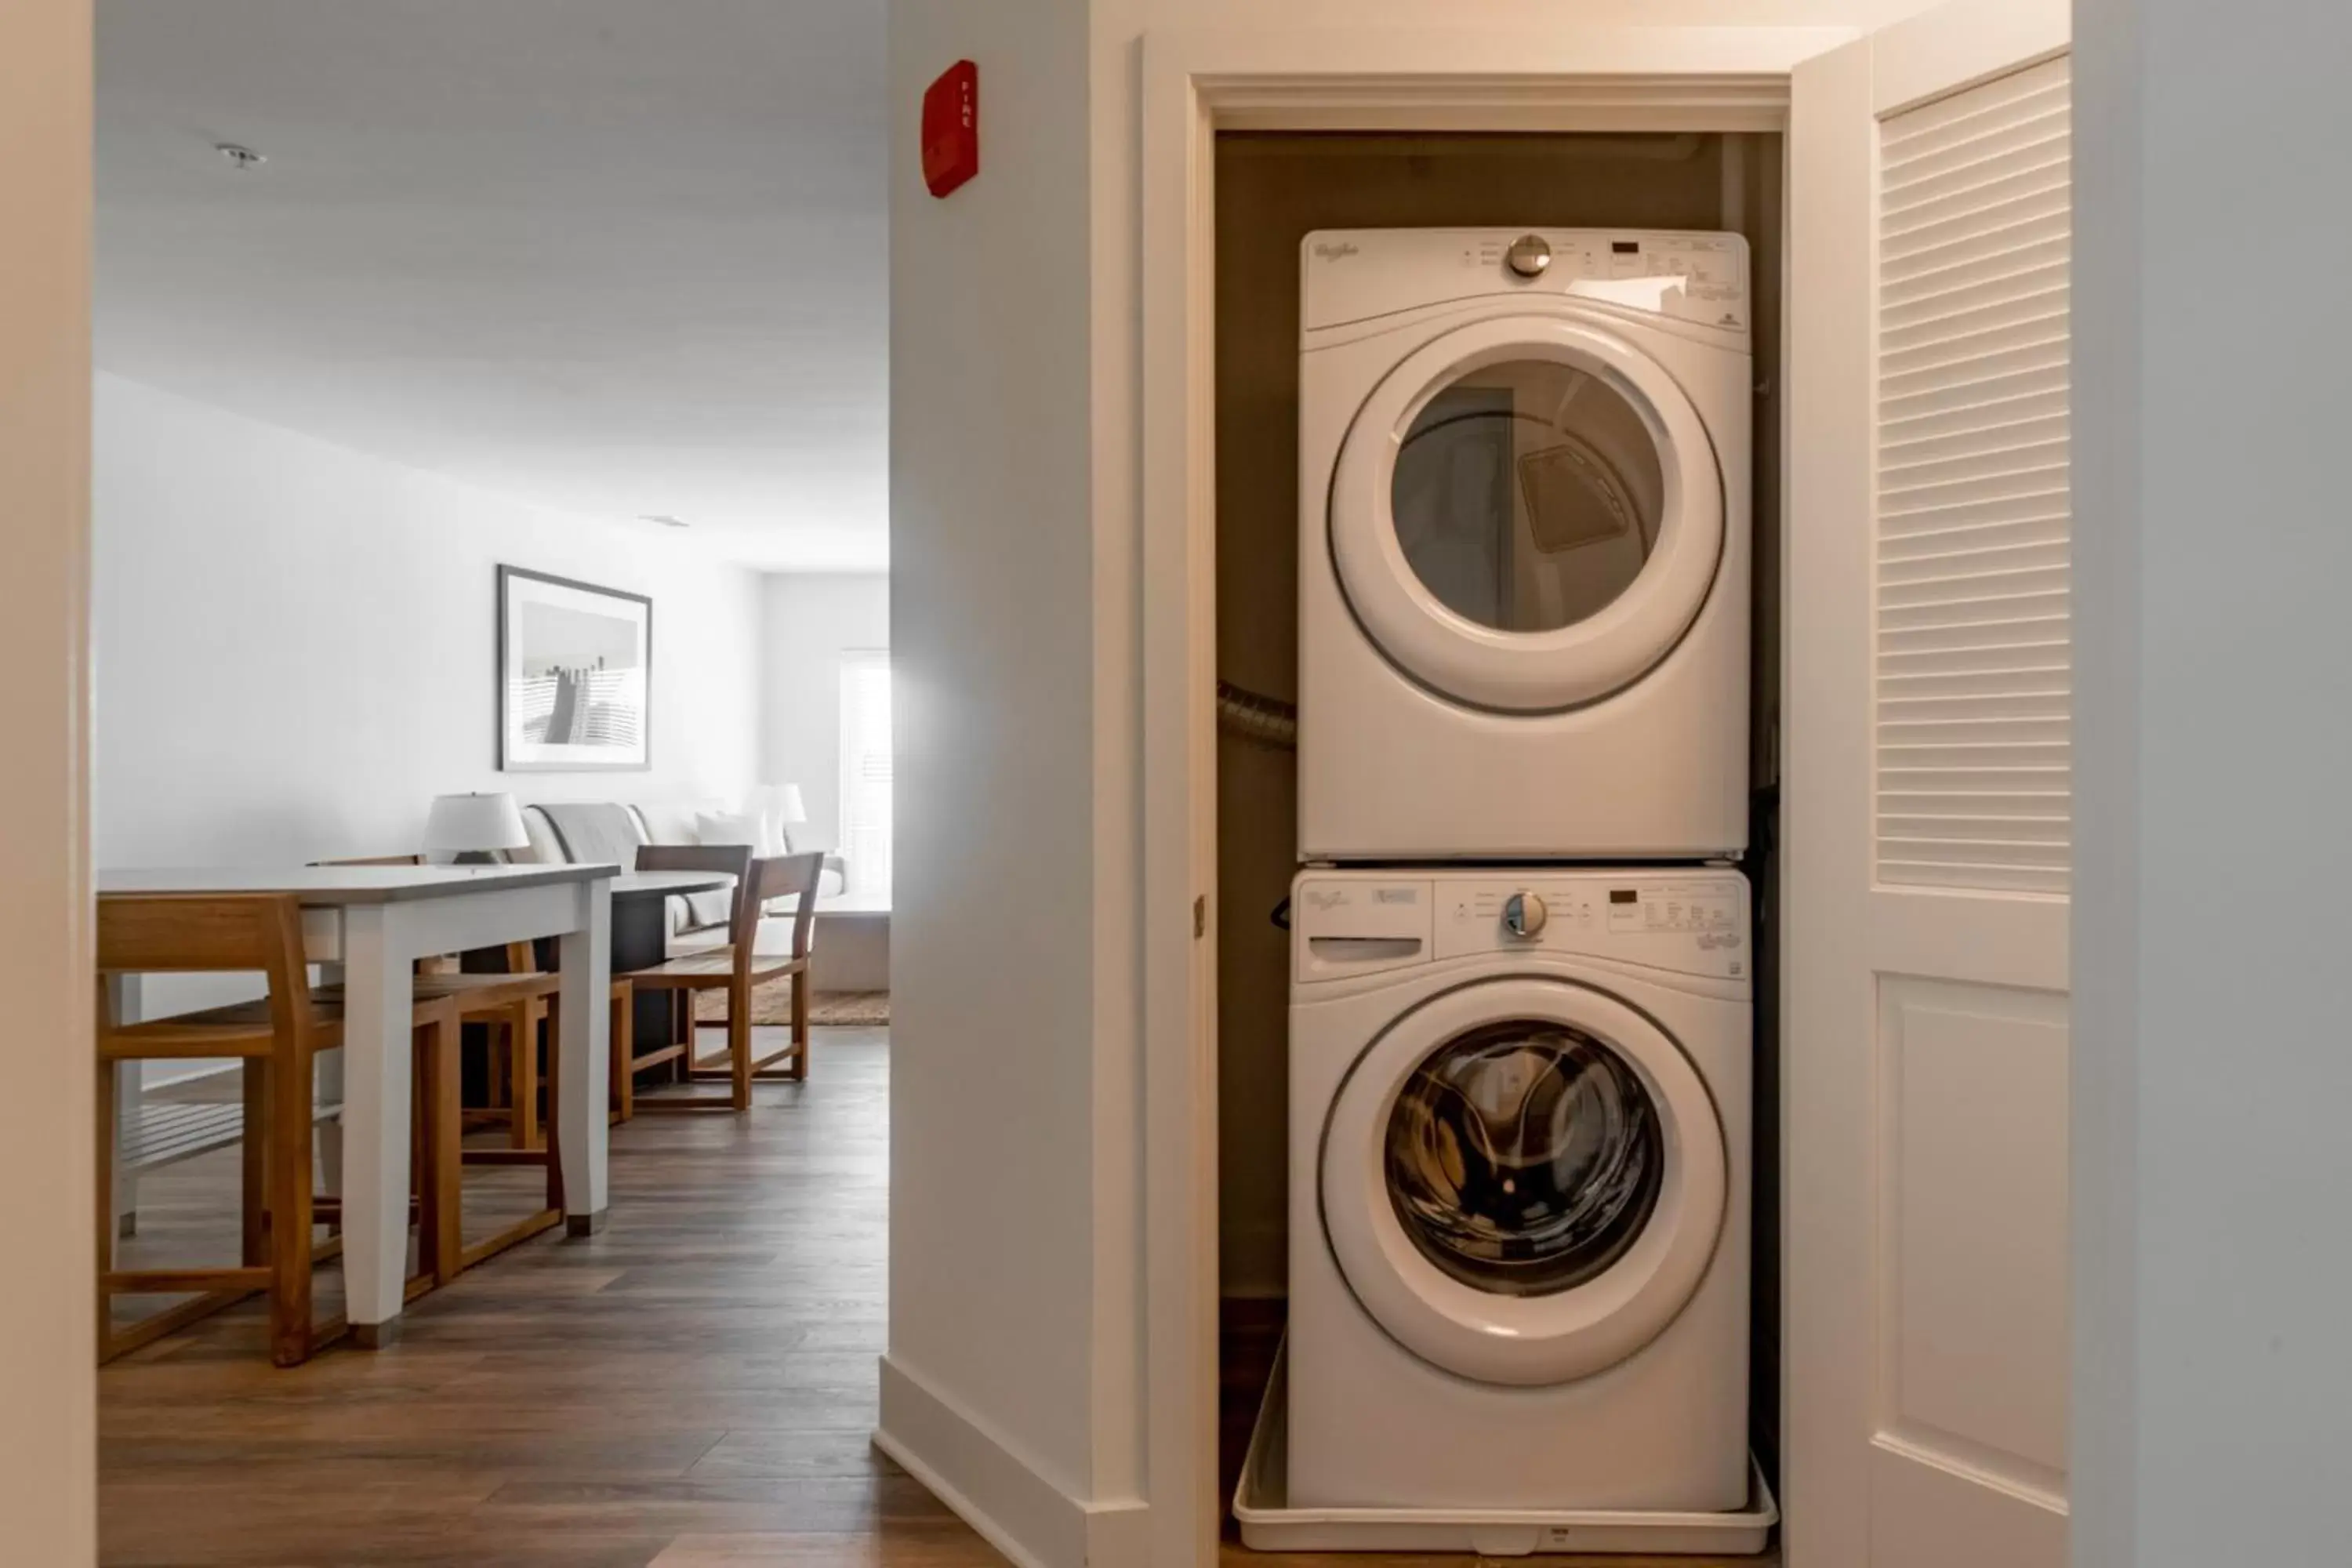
point(1519, 1136)
point(1524, 545)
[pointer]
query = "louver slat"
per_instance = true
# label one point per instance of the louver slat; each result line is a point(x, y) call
point(1974, 659)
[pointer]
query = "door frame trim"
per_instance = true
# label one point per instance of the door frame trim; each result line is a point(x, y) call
point(48, 1141)
point(1194, 84)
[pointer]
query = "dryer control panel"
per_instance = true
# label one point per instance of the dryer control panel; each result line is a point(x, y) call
point(1354, 275)
point(1693, 922)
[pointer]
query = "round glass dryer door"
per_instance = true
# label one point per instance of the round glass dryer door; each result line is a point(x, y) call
point(1527, 515)
point(1523, 1181)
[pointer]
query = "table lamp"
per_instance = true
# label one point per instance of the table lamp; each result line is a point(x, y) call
point(476, 829)
point(782, 805)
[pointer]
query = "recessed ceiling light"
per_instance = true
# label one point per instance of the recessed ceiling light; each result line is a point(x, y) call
point(665, 520)
point(240, 157)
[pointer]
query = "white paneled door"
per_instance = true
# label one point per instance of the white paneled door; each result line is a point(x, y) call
point(1928, 834)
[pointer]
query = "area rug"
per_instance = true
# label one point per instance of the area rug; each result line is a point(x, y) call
point(772, 1003)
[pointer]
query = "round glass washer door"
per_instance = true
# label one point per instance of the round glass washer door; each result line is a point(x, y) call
point(1527, 514)
point(1523, 1181)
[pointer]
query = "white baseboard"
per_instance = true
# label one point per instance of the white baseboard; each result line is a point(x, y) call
point(994, 1488)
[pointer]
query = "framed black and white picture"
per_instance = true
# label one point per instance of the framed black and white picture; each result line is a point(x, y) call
point(575, 675)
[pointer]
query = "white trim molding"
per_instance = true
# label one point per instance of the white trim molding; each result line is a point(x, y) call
point(996, 1489)
point(48, 1355)
point(1195, 82)
point(1951, 49)
point(1552, 79)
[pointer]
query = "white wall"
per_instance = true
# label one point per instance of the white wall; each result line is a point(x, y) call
point(1002, 1293)
point(808, 619)
point(48, 1451)
point(295, 645)
point(2213, 1377)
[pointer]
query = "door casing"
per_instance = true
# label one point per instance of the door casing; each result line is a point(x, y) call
point(1195, 84)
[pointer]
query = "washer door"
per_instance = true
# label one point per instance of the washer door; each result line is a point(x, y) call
point(1523, 1181)
point(1527, 514)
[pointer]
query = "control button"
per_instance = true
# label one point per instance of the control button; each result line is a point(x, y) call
point(1524, 914)
point(1529, 255)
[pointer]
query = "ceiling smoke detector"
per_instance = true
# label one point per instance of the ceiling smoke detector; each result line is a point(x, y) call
point(240, 157)
point(663, 518)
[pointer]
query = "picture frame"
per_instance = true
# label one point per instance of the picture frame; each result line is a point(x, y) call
point(574, 676)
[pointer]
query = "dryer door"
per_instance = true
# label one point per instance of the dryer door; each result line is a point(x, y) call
point(1527, 514)
point(1523, 1181)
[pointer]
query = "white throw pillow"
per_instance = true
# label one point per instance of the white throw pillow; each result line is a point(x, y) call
point(722, 828)
point(729, 828)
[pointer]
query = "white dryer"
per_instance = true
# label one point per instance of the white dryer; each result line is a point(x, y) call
point(1524, 545)
point(1520, 1137)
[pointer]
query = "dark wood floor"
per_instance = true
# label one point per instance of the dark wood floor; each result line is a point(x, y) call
point(692, 1388)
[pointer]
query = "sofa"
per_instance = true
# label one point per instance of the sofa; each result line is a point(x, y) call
point(575, 831)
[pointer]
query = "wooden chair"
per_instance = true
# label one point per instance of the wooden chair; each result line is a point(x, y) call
point(738, 968)
point(727, 859)
point(279, 1040)
point(516, 1076)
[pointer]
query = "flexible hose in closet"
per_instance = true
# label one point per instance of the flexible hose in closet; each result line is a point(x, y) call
point(1250, 716)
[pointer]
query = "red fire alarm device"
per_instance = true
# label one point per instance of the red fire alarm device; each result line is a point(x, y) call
point(951, 128)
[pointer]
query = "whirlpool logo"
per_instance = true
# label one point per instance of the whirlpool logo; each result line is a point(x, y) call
point(1334, 250)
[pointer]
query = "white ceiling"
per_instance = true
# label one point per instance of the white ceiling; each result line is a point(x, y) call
point(615, 257)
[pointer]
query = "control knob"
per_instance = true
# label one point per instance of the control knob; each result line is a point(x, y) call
point(1524, 914)
point(1529, 255)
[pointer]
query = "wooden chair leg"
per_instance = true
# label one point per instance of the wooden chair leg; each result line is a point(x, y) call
point(127, 1098)
point(739, 1041)
point(105, 1141)
point(420, 1106)
point(441, 1114)
point(500, 1086)
point(555, 1117)
point(327, 1082)
point(800, 1026)
point(289, 1177)
point(523, 1031)
point(624, 1031)
point(253, 1156)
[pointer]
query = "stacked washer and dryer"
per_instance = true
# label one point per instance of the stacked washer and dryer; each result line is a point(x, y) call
point(1521, 1014)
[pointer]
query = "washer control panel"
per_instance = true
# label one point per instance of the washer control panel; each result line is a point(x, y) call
point(1356, 275)
point(1693, 922)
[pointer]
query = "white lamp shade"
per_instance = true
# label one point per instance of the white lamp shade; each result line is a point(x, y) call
point(781, 804)
point(462, 823)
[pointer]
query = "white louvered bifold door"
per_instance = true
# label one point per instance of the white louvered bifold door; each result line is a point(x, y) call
point(1925, 796)
point(1972, 663)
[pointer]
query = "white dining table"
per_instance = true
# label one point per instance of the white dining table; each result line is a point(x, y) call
point(373, 922)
